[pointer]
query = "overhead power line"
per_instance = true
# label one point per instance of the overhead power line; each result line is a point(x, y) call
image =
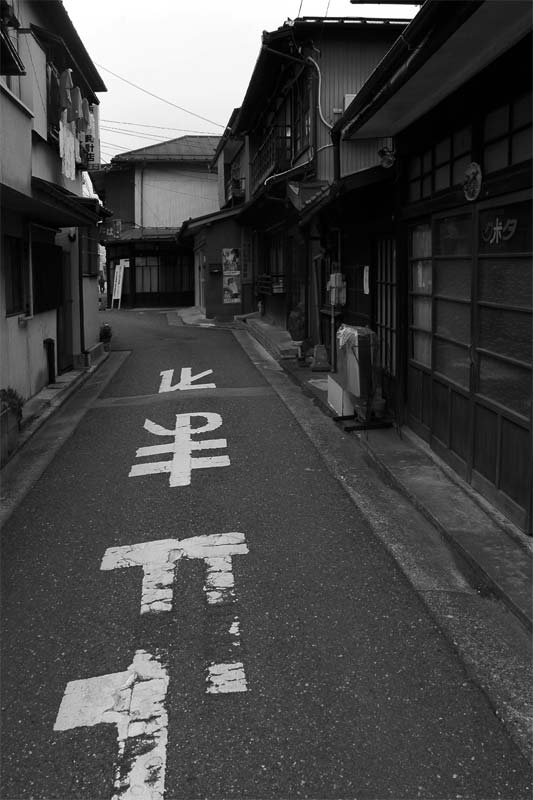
point(163, 100)
point(149, 136)
point(159, 127)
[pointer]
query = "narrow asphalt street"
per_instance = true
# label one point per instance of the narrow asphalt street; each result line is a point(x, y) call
point(194, 607)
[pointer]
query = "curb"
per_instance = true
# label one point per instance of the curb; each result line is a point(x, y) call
point(47, 407)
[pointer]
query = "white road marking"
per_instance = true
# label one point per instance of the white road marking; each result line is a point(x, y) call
point(182, 463)
point(133, 701)
point(226, 678)
point(185, 381)
point(159, 560)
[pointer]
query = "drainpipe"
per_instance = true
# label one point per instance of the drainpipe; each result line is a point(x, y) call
point(141, 188)
point(336, 139)
point(80, 295)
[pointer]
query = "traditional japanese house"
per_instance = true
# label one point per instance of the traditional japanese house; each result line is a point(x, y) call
point(455, 93)
point(277, 156)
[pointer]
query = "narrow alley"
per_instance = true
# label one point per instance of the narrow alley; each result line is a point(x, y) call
point(195, 602)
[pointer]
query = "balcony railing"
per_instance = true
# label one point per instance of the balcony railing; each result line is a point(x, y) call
point(273, 156)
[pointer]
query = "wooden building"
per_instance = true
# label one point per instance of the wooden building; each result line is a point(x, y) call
point(277, 156)
point(455, 93)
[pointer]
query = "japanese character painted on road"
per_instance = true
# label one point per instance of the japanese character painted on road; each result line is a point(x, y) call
point(181, 463)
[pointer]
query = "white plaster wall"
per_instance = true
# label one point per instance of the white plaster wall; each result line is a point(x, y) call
point(15, 142)
point(172, 195)
point(24, 366)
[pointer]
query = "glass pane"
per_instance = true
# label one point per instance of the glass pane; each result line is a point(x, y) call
point(522, 110)
point(508, 333)
point(496, 123)
point(421, 241)
point(453, 362)
point(426, 161)
point(506, 384)
point(506, 281)
point(421, 277)
point(442, 178)
point(414, 167)
point(453, 278)
point(452, 320)
point(421, 347)
point(413, 193)
point(426, 186)
point(453, 236)
point(506, 229)
point(462, 141)
point(154, 278)
point(443, 151)
point(521, 146)
point(421, 312)
point(146, 279)
point(459, 169)
point(495, 156)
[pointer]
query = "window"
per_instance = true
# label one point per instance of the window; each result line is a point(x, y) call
point(507, 134)
point(12, 257)
point(452, 291)
point(441, 166)
point(47, 263)
point(504, 308)
point(420, 288)
point(89, 250)
point(301, 116)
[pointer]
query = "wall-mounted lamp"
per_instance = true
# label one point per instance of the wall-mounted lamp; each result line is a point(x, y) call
point(387, 157)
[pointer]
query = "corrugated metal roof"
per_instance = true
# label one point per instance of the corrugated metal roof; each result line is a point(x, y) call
point(185, 148)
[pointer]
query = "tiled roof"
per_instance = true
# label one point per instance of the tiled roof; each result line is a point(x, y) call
point(185, 148)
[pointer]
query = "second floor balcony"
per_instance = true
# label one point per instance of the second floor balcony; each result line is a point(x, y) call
point(274, 155)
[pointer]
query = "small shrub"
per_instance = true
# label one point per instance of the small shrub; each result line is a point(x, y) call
point(12, 399)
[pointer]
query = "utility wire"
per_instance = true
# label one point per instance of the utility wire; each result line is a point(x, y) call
point(163, 100)
point(149, 136)
point(159, 127)
point(156, 138)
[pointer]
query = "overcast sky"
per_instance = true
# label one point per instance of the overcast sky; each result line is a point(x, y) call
point(197, 54)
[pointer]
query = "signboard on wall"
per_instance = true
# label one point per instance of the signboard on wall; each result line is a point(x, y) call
point(231, 275)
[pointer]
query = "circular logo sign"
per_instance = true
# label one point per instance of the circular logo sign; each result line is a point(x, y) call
point(472, 181)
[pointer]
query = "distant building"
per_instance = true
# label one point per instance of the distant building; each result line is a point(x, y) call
point(275, 158)
point(151, 192)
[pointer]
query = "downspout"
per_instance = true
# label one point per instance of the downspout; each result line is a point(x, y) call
point(83, 352)
point(336, 139)
point(143, 166)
